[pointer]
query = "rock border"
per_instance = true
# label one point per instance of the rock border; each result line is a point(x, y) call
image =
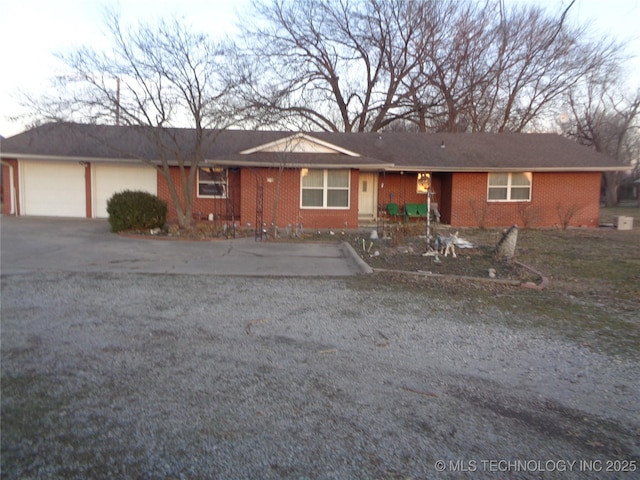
point(544, 281)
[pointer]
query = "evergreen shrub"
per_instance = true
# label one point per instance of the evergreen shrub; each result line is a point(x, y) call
point(136, 210)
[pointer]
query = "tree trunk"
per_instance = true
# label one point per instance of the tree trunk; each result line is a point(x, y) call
point(611, 189)
point(183, 213)
point(183, 221)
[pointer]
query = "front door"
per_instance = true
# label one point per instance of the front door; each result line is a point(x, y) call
point(367, 196)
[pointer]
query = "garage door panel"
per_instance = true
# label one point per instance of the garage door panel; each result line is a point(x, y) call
point(110, 179)
point(54, 189)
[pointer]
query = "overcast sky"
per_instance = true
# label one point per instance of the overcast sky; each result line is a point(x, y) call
point(32, 30)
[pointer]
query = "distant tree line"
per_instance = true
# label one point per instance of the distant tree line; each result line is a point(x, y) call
point(431, 65)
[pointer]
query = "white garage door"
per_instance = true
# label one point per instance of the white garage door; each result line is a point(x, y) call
point(53, 189)
point(110, 179)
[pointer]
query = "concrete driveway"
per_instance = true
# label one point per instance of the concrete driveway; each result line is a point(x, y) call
point(80, 245)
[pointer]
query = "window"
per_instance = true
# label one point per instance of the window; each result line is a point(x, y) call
point(325, 188)
point(424, 183)
point(212, 182)
point(509, 187)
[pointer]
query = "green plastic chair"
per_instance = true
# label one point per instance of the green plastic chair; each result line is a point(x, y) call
point(410, 211)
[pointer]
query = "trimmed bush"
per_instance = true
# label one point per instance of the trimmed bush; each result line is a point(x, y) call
point(136, 210)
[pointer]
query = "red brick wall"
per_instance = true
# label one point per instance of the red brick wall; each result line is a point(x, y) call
point(7, 194)
point(242, 193)
point(202, 207)
point(288, 211)
point(6, 191)
point(87, 191)
point(461, 198)
point(469, 200)
point(401, 188)
point(551, 192)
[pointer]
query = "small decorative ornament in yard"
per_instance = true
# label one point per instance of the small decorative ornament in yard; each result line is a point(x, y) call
point(445, 245)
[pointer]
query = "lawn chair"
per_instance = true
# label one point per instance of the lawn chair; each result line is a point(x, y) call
point(393, 210)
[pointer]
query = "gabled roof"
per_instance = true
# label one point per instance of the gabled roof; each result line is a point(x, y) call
point(300, 143)
point(380, 150)
point(476, 151)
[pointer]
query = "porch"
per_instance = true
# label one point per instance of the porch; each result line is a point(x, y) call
point(401, 197)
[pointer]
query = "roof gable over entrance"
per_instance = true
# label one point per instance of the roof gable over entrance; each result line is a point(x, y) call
point(300, 143)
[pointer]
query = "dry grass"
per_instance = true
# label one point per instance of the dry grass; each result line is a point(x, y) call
point(603, 262)
point(593, 295)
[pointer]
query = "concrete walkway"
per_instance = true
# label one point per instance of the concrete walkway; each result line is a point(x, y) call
point(46, 244)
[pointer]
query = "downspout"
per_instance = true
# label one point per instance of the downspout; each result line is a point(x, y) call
point(12, 189)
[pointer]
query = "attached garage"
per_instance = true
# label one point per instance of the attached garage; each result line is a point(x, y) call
point(110, 179)
point(52, 189)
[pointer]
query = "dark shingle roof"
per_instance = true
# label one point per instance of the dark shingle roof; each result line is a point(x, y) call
point(474, 151)
point(408, 151)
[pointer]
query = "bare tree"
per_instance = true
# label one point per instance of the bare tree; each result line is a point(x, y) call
point(334, 65)
point(494, 69)
point(608, 121)
point(444, 65)
point(450, 51)
point(154, 78)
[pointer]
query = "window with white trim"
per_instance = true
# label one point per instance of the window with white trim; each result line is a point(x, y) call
point(212, 182)
point(509, 187)
point(324, 188)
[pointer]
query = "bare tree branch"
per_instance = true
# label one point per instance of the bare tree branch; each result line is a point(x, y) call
point(154, 77)
point(608, 121)
point(454, 65)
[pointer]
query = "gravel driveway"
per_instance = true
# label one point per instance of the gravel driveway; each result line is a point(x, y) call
point(143, 375)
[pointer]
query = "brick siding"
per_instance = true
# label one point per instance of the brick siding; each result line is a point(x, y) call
point(88, 208)
point(551, 193)
point(461, 199)
point(287, 209)
point(242, 191)
point(7, 194)
point(402, 188)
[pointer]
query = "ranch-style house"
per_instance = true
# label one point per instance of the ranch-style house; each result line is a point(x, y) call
point(317, 179)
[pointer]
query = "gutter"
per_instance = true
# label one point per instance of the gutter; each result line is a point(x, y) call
point(64, 158)
point(204, 163)
point(382, 166)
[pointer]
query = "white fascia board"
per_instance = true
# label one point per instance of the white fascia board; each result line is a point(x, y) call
point(58, 158)
point(297, 136)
